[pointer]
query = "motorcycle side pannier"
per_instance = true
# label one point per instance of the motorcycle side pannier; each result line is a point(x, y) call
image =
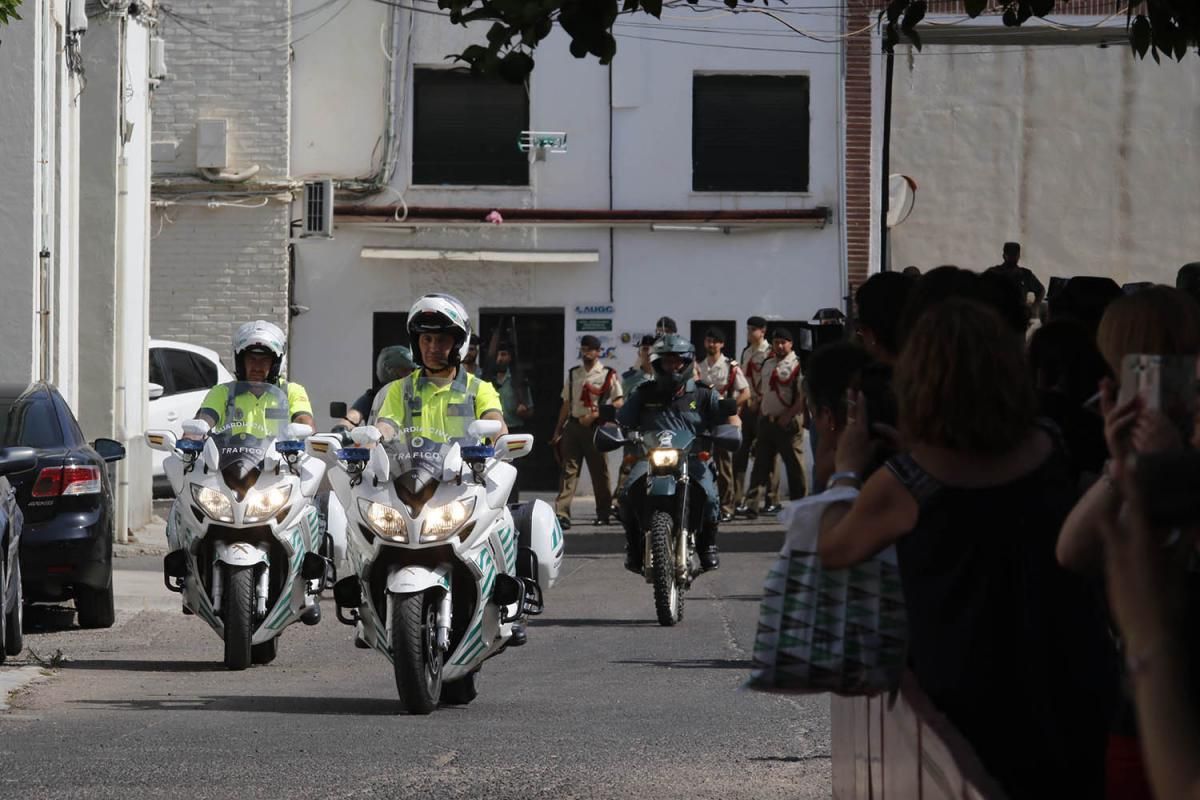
point(539, 540)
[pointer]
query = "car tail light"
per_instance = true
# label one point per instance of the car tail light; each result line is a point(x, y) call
point(69, 480)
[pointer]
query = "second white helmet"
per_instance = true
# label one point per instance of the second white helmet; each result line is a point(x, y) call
point(440, 313)
point(262, 337)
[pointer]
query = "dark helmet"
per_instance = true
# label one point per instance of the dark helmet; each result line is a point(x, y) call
point(673, 344)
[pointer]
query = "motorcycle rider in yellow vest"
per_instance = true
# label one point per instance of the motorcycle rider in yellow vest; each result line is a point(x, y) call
point(258, 350)
point(440, 398)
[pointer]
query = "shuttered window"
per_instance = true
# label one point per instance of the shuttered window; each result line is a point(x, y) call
point(466, 130)
point(750, 133)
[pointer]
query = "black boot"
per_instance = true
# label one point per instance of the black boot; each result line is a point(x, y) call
point(633, 553)
point(706, 547)
point(311, 615)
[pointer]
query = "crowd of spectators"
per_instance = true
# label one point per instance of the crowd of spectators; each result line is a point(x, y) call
point(1048, 604)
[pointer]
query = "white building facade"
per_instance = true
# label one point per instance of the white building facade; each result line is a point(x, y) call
point(664, 203)
point(74, 219)
point(39, 197)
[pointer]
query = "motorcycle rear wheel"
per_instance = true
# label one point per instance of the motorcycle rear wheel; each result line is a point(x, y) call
point(238, 616)
point(416, 658)
point(668, 594)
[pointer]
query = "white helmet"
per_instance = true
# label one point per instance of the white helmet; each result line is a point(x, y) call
point(259, 336)
point(440, 313)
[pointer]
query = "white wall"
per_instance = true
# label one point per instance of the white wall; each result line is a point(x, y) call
point(1084, 155)
point(39, 198)
point(18, 185)
point(693, 275)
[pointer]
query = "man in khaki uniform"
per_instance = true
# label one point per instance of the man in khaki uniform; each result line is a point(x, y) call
point(725, 376)
point(780, 422)
point(589, 385)
point(754, 356)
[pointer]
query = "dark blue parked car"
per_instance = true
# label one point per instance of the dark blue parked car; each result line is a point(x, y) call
point(67, 501)
point(12, 460)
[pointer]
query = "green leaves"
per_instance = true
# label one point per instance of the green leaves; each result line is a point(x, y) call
point(8, 11)
point(1160, 27)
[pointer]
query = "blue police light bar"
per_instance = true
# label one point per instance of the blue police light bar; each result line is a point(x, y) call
point(289, 446)
point(190, 445)
point(354, 454)
point(478, 452)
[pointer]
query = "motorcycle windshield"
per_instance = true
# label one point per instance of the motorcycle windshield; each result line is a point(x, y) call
point(417, 460)
point(253, 417)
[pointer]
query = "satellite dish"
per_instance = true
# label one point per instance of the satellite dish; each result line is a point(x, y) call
point(902, 196)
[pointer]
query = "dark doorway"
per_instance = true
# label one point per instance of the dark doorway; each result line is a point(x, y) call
point(538, 345)
point(727, 326)
point(388, 328)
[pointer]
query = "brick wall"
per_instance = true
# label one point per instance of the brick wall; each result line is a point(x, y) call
point(234, 65)
point(212, 268)
point(217, 268)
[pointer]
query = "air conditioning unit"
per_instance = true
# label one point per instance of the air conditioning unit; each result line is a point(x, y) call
point(318, 210)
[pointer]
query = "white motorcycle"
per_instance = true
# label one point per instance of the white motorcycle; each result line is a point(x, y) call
point(440, 568)
point(248, 554)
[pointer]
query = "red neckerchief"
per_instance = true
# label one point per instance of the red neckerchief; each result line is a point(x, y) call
point(777, 384)
point(588, 395)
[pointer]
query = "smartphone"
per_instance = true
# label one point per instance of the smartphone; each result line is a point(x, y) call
point(1165, 383)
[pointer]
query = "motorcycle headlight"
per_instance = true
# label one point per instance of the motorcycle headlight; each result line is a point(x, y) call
point(663, 460)
point(264, 505)
point(213, 503)
point(386, 521)
point(442, 522)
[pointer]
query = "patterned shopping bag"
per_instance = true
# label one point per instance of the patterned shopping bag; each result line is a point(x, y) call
point(819, 630)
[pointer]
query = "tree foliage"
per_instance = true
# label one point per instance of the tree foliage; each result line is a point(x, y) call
point(8, 11)
point(1157, 27)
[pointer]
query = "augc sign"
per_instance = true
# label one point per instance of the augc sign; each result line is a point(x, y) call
point(591, 310)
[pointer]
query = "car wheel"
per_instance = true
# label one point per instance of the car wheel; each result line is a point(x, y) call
point(14, 634)
point(94, 607)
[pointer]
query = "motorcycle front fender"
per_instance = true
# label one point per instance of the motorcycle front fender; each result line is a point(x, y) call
point(661, 486)
point(240, 554)
point(410, 580)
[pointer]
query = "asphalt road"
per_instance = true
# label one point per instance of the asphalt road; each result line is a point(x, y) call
point(601, 702)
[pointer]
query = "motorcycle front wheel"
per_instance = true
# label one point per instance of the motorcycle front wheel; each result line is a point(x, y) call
point(238, 616)
point(416, 658)
point(668, 596)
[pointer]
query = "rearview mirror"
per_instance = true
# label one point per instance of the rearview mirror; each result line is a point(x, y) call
point(17, 459)
point(727, 406)
point(109, 449)
point(485, 428)
point(161, 440)
point(607, 412)
point(155, 390)
point(514, 445)
point(338, 410)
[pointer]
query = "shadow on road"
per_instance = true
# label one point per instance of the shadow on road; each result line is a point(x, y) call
point(258, 704)
point(122, 665)
point(583, 622)
point(692, 663)
point(739, 598)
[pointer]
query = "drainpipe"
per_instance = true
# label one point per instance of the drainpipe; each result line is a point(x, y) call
point(885, 163)
point(121, 387)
